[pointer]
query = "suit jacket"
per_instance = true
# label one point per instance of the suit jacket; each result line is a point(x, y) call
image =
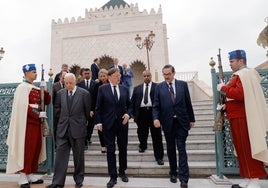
point(57, 77)
point(127, 79)
point(56, 87)
point(137, 97)
point(75, 117)
point(95, 71)
point(164, 109)
point(108, 109)
point(91, 90)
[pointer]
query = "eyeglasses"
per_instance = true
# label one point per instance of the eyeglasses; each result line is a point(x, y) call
point(167, 74)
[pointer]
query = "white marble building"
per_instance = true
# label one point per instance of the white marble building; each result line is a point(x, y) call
point(110, 31)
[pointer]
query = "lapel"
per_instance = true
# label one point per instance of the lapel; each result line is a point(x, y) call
point(111, 91)
point(177, 88)
point(75, 97)
point(65, 99)
point(120, 93)
point(152, 90)
point(141, 91)
point(92, 85)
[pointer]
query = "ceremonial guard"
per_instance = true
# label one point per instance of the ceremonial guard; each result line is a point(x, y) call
point(26, 145)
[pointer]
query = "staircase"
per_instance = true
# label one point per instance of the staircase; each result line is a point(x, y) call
point(200, 149)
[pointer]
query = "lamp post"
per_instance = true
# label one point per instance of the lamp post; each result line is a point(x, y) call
point(1, 53)
point(148, 43)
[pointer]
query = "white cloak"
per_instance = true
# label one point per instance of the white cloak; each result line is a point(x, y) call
point(17, 130)
point(256, 112)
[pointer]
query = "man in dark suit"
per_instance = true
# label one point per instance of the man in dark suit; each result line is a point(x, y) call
point(56, 87)
point(64, 68)
point(74, 104)
point(112, 114)
point(88, 84)
point(173, 110)
point(95, 69)
point(142, 101)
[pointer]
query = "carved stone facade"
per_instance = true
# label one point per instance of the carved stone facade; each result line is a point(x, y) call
point(110, 32)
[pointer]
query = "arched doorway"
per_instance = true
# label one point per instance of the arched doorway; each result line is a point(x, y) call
point(137, 67)
point(106, 62)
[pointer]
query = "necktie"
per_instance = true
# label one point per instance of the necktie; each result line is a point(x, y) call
point(146, 94)
point(87, 84)
point(115, 94)
point(63, 86)
point(70, 98)
point(171, 92)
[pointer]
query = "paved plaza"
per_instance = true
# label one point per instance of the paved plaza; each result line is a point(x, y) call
point(10, 181)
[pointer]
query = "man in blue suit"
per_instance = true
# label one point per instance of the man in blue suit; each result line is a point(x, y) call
point(112, 113)
point(173, 110)
point(127, 77)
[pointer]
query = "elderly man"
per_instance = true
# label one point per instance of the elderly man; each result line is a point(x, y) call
point(74, 104)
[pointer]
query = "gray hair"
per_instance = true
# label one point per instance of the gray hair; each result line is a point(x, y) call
point(69, 75)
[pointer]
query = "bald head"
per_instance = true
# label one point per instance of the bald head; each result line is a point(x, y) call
point(147, 76)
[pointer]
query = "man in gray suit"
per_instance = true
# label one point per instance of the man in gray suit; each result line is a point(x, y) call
point(74, 104)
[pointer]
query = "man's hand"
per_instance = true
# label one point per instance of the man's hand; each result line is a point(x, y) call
point(220, 107)
point(157, 123)
point(191, 124)
point(125, 119)
point(219, 86)
point(99, 126)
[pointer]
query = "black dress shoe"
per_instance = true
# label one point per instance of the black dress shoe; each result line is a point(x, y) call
point(25, 185)
point(111, 183)
point(236, 186)
point(78, 185)
point(173, 179)
point(141, 150)
point(123, 177)
point(184, 185)
point(160, 161)
point(39, 181)
point(54, 186)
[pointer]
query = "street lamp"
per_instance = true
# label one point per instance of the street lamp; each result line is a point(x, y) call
point(148, 43)
point(1, 53)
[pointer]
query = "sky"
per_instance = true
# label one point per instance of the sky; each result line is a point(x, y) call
point(195, 29)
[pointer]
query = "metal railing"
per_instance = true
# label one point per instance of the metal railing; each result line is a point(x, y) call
point(6, 100)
